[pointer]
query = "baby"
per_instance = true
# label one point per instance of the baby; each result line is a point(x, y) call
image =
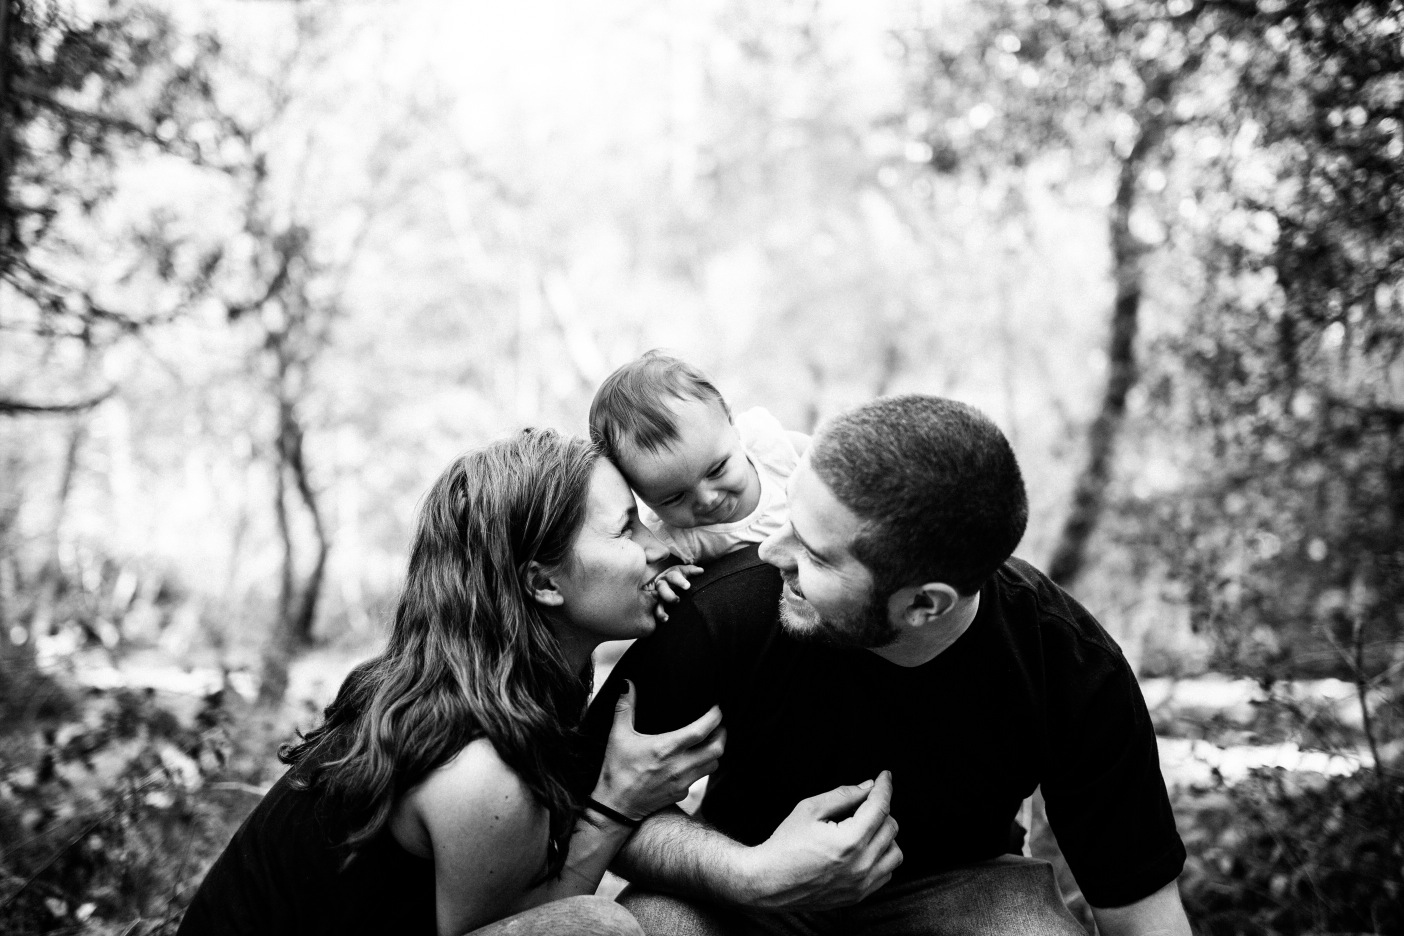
point(709, 483)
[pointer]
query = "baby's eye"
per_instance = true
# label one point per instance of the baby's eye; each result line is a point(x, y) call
point(671, 501)
point(717, 471)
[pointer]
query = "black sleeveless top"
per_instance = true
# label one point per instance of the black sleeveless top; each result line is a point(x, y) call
point(282, 873)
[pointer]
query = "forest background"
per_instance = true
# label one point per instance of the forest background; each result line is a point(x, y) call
point(265, 266)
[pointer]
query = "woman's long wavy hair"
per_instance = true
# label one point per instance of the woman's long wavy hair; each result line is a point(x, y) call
point(471, 654)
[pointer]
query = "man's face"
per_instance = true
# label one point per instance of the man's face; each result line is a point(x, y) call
point(828, 593)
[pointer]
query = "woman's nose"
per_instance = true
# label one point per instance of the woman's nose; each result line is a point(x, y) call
point(654, 550)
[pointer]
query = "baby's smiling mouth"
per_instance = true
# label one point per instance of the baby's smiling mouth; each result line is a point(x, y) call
point(722, 512)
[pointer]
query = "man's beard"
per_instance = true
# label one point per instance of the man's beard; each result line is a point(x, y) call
point(867, 628)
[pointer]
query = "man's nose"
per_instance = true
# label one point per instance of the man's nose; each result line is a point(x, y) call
point(774, 549)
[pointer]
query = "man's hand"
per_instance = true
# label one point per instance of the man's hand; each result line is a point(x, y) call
point(669, 584)
point(833, 849)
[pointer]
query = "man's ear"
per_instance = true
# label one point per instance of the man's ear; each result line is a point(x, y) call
point(541, 582)
point(918, 605)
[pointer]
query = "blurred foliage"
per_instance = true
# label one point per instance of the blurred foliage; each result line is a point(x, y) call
point(1295, 853)
point(109, 818)
point(1058, 93)
point(1285, 852)
point(81, 94)
point(405, 264)
point(84, 97)
point(1288, 378)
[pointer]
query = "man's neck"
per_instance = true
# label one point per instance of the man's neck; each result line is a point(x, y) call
point(924, 644)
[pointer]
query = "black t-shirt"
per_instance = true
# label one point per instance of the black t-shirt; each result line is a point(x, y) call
point(282, 874)
point(1034, 692)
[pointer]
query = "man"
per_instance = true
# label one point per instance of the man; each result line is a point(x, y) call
point(914, 688)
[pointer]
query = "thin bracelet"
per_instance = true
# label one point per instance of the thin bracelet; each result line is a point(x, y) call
point(614, 814)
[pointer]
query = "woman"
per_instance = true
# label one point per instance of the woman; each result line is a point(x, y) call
point(441, 793)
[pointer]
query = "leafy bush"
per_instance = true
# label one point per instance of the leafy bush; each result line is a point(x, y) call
point(1287, 853)
point(110, 819)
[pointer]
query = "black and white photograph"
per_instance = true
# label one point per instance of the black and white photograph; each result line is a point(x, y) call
point(702, 467)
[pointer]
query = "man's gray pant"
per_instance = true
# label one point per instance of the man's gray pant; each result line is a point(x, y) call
point(1009, 896)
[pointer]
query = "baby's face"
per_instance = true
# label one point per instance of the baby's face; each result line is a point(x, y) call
point(702, 478)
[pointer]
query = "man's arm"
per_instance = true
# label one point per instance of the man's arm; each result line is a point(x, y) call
point(1160, 914)
point(832, 850)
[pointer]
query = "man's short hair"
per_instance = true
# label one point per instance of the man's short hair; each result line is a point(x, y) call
point(632, 403)
point(936, 484)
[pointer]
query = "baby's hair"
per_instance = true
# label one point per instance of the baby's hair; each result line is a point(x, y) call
point(632, 403)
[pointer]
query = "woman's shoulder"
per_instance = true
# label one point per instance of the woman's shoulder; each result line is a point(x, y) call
point(475, 788)
point(485, 831)
point(476, 763)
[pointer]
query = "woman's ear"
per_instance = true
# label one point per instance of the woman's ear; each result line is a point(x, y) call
point(541, 582)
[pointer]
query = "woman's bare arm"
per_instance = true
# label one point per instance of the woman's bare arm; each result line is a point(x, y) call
point(485, 832)
point(488, 835)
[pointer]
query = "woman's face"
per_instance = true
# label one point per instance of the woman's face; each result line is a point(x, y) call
point(604, 584)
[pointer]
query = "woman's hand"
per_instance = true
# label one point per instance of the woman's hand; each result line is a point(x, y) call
point(643, 773)
point(668, 585)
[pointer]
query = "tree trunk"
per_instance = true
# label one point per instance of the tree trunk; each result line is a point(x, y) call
point(51, 574)
point(297, 606)
point(25, 692)
point(5, 126)
point(283, 643)
point(1090, 492)
point(16, 659)
point(305, 611)
point(281, 646)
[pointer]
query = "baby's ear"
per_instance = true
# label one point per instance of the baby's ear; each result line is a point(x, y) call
point(541, 583)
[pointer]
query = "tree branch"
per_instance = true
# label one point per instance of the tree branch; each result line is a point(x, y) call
point(41, 97)
point(11, 407)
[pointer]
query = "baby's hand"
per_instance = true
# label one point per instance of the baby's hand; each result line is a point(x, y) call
point(668, 584)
